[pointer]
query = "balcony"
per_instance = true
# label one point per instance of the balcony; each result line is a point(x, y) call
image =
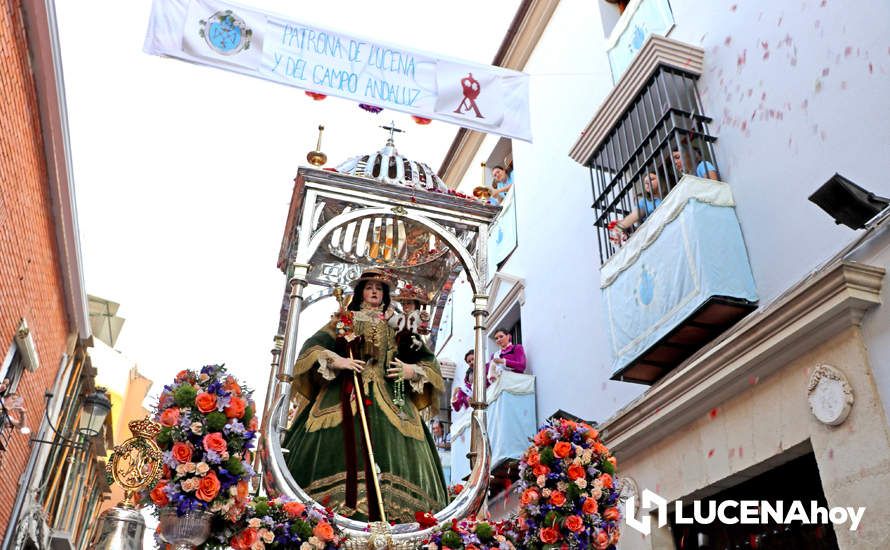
point(675, 271)
point(512, 420)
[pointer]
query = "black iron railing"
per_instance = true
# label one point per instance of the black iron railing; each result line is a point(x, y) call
point(662, 135)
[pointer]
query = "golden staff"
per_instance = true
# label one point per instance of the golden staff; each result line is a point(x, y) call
point(361, 413)
point(338, 294)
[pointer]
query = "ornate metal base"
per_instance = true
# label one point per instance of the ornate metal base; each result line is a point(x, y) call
point(119, 528)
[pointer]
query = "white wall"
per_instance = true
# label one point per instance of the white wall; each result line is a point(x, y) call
point(774, 150)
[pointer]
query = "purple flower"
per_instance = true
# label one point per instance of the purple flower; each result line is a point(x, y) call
point(169, 460)
point(234, 427)
point(223, 401)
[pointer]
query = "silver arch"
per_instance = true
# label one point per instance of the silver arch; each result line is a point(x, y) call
point(277, 479)
point(305, 253)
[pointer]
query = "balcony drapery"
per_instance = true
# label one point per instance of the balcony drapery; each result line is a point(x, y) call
point(689, 250)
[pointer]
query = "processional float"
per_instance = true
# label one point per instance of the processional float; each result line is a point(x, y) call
point(387, 212)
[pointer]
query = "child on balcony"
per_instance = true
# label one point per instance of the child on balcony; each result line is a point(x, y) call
point(645, 206)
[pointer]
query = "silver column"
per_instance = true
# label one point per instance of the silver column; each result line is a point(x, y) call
point(270, 389)
point(480, 312)
point(289, 350)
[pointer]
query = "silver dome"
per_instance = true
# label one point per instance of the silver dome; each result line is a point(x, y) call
point(388, 166)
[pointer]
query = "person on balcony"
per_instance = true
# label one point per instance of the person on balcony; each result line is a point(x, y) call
point(460, 399)
point(646, 204)
point(501, 182)
point(327, 452)
point(703, 168)
point(509, 356)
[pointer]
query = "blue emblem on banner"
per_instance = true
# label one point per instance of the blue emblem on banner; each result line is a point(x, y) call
point(646, 292)
point(225, 33)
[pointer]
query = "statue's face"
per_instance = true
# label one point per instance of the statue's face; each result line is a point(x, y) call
point(373, 293)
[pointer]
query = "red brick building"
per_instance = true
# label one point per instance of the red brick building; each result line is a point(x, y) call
point(40, 288)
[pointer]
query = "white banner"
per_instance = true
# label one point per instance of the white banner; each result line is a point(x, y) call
point(277, 48)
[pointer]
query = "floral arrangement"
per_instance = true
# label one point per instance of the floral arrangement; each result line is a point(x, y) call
point(569, 496)
point(209, 430)
point(278, 524)
point(473, 534)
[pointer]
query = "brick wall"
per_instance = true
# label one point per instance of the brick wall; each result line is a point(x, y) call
point(30, 277)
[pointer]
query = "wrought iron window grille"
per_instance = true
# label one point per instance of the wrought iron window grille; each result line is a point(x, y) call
point(661, 135)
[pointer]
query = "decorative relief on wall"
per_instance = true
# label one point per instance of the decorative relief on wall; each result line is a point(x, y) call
point(829, 395)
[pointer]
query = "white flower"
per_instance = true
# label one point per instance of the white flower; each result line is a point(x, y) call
point(598, 483)
point(561, 485)
point(316, 542)
point(203, 377)
point(255, 523)
point(542, 480)
point(224, 455)
point(197, 428)
point(267, 536)
point(305, 546)
point(202, 468)
point(597, 493)
point(581, 483)
point(545, 493)
point(258, 545)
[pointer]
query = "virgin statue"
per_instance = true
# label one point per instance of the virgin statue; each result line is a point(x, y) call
point(328, 453)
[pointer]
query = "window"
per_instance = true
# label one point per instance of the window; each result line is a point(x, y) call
point(13, 367)
point(661, 135)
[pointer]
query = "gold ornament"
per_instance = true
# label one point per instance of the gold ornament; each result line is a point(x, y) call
point(136, 463)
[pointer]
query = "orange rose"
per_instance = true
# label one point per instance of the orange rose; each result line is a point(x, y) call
point(214, 442)
point(208, 487)
point(232, 386)
point(206, 402)
point(158, 496)
point(293, 509)
point(182, 452)
point(170, 417)
point(236, 408)
point(542, 438)
point(613, 461)
point(600, 449)
point(241, 490)
point(562, 449)
point(533, 459)
point(324, 531)
point(540, 470)
point(601, 541)
point(253, 424)
point(557, 498)
point(576, 471)
point(529, 496)
point(574, 523)
point(590, 506)
point(245, 539)
point(607, 481)
point(611, 514)
point(549, 535)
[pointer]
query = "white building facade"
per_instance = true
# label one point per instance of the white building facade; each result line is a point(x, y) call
point(788, 397)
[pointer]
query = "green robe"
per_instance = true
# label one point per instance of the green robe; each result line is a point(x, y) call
point(411, 475)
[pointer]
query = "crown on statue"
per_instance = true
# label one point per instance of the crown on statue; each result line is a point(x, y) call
point(144, 428)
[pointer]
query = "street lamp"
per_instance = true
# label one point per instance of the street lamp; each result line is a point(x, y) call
point(94, 409)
